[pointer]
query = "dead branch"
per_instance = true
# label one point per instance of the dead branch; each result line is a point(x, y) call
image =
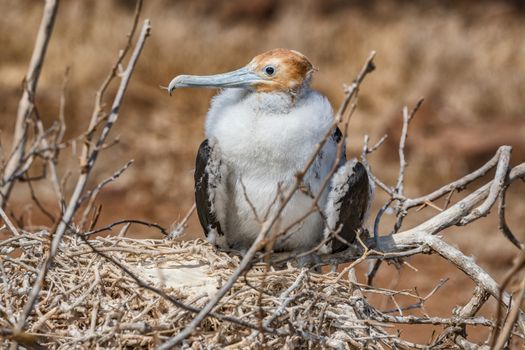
point(499, 340)
point(503, 226)
point(91, 195)
point(89, 159)
point(458, 185)
point(82, 180)
point(515, 311)
point(8, 223)
point(25, 106)
point(128, 221)
point(407, 118)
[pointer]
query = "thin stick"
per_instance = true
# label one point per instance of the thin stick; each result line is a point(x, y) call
point(496, 187)
point(25, 106)
point(92, 194)
point(126, 221)
point(83, 178)
point(511, 320)
point(519, 263)
point(502, 224)
point(456, 185)
point(8, 222)
point(82, 181)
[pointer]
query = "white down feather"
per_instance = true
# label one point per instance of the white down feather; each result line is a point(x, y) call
point(264, 139)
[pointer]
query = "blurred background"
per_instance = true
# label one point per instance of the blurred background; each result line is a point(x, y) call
point(467, 58)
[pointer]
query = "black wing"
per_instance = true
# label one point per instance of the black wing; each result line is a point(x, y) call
point(351, 198)
point(205, 185)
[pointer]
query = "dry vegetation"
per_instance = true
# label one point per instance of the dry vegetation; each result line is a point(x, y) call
point(466, 59)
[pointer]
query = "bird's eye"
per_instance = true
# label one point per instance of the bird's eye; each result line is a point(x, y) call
point(269, 70)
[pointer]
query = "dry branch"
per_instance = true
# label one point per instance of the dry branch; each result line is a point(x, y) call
point(82, 180)
point(26, 104)
point(90, 158)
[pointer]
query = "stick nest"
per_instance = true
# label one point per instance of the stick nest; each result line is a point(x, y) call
point(88, 301)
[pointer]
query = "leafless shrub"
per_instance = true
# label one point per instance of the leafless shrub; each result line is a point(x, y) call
point(61, 289)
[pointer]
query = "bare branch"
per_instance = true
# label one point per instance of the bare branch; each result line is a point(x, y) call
point(91, 158)
point(515, 311)
point(497, 186)
point(92, 194)
point(82, 180)
point(407, 118)
point(121, 222)
point(459, 184)
point(8, 222)
point(517, 266)
point(25, 106)
point(503, 226)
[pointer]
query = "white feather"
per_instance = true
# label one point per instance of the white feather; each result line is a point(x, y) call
point(264, 140)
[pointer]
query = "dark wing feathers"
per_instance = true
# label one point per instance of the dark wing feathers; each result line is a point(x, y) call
point(354, 206)
point(354, 202)
point(351, 196)
point(203, 187)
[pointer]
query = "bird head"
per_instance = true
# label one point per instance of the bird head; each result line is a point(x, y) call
point(278, 70)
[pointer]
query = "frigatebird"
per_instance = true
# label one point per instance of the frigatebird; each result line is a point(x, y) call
point(261, 128)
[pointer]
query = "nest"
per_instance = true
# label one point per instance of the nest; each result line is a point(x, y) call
point(89, 301)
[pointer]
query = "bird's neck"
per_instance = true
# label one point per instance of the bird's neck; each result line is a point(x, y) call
point(275, 102)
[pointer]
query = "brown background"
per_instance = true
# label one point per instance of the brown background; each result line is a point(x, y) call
point(467, 58)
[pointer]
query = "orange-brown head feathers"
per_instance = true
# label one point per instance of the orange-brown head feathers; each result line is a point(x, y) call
point(275, 70)
point(281, 70)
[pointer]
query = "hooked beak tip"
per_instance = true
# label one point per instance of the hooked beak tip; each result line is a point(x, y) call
point(172, 86)
point(169, 89)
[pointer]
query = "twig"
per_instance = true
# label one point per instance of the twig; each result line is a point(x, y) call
point(25, 106)
point(456, 185)
point(496, 187)
point(380, 213)
point(511, 320)
point(407, 118)
point(90, 160)
point(126, 221)
point(8, 222)
point(373, 268)
point(92, 194)
point(38, 203)
point(285, 297)
point(502, 224)
point(519, 263)
point(82, 181)
point(468, 266)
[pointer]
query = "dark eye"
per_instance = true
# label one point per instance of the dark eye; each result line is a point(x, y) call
point(269, 70)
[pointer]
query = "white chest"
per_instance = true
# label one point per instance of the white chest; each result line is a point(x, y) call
point(264, 140)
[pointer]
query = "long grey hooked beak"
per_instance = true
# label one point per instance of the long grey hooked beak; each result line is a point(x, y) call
point(243, 78)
